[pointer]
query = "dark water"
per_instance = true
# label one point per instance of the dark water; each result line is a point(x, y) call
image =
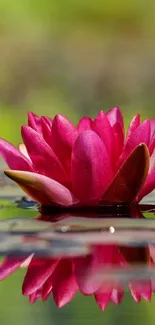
point(72, 235)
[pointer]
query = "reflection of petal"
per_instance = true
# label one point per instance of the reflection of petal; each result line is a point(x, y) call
point(35, 296)
point(130, 178)
point(117, 295)
point(64, 283)
point(9, 265)
point(136, 255)
point(42, 189)
point(47, 288)
point(86, 267)
point(141, 289)
point(27, 261)
point(103, 297)
point(37, 274)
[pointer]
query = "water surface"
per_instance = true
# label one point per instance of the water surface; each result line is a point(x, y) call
point(71, 235)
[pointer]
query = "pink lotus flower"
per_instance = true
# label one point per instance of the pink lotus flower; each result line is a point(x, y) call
point(93, 163)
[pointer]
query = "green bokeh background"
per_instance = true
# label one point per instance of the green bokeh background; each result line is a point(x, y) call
point(73, 57)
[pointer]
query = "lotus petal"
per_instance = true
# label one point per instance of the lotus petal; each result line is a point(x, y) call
point(63, 137)
point(86, 123)
point(119, 141)
point(149, 184)
point(140, 135)
point(13, 157)
point(130, 178)
point(47, 120)
point(133, 126)
point(115, 115)
point(43, 157)
point(23, 150)
point(152, 128)
point(34, 121)
point(103, 128)
point(46, 130)
point(42, 189)
point(91, 171)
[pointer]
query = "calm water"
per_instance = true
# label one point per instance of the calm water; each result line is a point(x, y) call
point(70, 235)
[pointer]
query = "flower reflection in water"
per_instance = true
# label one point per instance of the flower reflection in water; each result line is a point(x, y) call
point(114, 257)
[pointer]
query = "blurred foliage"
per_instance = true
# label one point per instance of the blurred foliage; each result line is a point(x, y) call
point(75, 57)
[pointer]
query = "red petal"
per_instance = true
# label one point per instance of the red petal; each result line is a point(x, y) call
point(130, 178)
point(91, 170)
point(149, 185)
point(43, 157)
point(13, 157)
point(115, 115)
point(84, 124)
point(34, 122)
point(133, 126)
point(64, 135)
point(23, 150)
point(119, 141)
point(103, 128)
point(140, 135)
point(48, 120)
point(152, 128)
point(46, 129)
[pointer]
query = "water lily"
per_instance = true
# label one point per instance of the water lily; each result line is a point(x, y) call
point(89, 164)
point(94, 163)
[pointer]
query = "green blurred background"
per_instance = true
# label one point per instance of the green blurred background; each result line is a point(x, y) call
point(73, 57)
